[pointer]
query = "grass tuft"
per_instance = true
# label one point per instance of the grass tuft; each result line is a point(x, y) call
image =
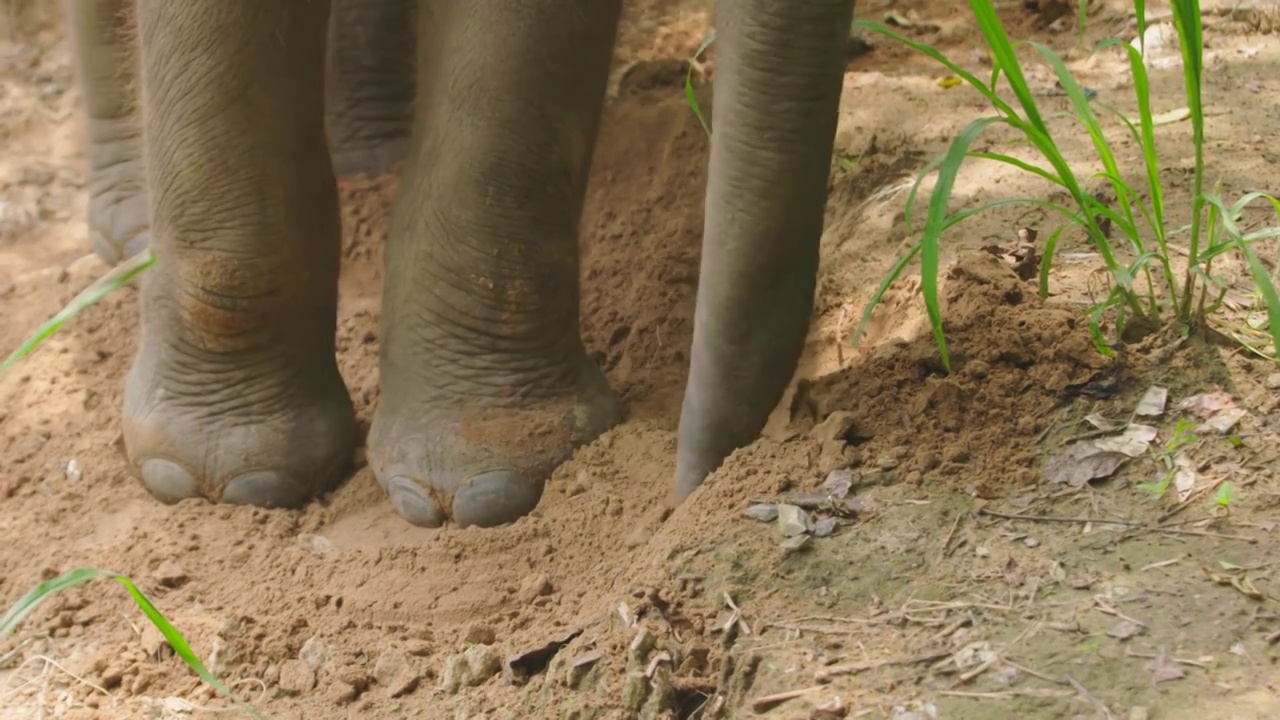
point(1140, 289)
point(29, 602)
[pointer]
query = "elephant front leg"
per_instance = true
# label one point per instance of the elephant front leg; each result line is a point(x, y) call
point(486, 386)
point(106, 64)
point(779, 72)
point(234, 394)
point(372, 75)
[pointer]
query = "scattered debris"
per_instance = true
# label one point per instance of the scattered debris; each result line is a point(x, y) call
point(1022, 256)
point(519, 668)
point(471, 669)
point(765, 703)
point(792, 521)
point(1217, 410)
point(764, 512)
point(170, 575)
point(1153, 402)
point(1097, 458)
point(1163, 668)
point(1126, 629)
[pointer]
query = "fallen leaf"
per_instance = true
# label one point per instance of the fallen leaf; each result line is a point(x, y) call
point(1153, 402)
point(974, 653)
point(949, 81)
point(1103, 423)
point(792, 521)
point(1082, 462)
point(1222, 421)
point(1013, 576)
point(1267, 525)
point(1207, 404)
point(1184, 479)
point(1133, 442)
point(1126, 629)
point(1163, 668)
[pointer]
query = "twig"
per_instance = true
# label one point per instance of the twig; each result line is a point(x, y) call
point(1152, 656)
point(1061, 519)
point(1103, 711)
point(1010, 694)
point(765, 702)
point(998, 657)
point(826, 674)
point(1206, 533)
point(1034, 673)
point(1106, 608)
point(1273, 638)
point(946, 542)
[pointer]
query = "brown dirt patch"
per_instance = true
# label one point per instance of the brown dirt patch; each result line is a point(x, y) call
point(343, 610)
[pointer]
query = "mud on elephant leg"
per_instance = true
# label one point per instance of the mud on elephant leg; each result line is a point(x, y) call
point(486, 386)
point(106, 63)
point(372, 74)
point(779, 73)
point(234, 394)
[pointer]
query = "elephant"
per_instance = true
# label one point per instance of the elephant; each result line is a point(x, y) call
point(218, 131)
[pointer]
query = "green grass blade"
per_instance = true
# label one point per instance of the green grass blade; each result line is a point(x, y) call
point(1020, 164)
point(29, 602)
point(894, 273)
point(118, 277)
point(1187, 21)
point(1003, 56)
point(988, 92)
point(935, 223)
point(688, 83)
point(1046, 260)
point(1064, 211)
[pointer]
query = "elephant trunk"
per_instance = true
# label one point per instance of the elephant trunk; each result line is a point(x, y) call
point(779, 73)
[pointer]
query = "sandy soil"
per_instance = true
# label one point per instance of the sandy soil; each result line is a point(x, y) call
point(959, 582)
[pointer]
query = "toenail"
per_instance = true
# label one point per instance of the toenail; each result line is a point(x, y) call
point(168, 481)
point(495, 498)
point(138, 244)
point(263, 488)
point(412, 504)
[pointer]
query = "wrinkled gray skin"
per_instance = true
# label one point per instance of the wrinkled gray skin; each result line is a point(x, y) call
point(235, 394)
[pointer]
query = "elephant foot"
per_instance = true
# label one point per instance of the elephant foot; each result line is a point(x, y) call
point(480, 460)
point(239, 430)
point(119, 224)
point(352, 159)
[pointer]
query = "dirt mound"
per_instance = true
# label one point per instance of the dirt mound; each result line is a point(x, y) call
point(952, 582)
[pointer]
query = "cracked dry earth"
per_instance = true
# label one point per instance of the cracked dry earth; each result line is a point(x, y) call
point(923, 563)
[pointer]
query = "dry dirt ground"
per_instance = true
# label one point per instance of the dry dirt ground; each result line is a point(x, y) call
point(959, 581)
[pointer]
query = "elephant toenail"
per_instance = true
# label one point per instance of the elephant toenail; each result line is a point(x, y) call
point(168, 481)
point(412, 504)
point(495, 498)
point(138, 244)
point(263, 488)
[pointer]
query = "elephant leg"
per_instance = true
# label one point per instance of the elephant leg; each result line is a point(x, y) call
point(779, 73)
point(234, 394)
point(371, 83)
point(106, 64)
point(486, 386)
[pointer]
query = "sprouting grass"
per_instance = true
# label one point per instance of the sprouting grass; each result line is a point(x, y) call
point(118, 277)
point(28, 603)
point(1146, 286)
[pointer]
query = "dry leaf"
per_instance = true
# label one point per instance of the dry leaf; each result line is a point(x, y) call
point(1163, 668)
point(1126, 629)
point(1133, 442)
point(1153, 402)
point(1184, 478)
point(1207, 404)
